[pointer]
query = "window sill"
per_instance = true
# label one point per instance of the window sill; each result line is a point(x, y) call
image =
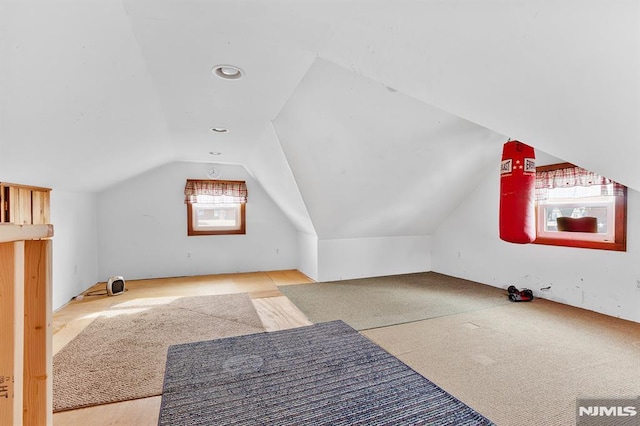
point(598, 245)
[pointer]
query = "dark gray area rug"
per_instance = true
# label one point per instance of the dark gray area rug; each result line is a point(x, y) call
point(324, 374)
point(383, 301)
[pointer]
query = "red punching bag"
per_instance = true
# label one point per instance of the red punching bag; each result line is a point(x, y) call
point(517, 193)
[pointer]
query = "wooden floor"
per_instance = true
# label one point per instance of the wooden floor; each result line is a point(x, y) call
point(275, 310)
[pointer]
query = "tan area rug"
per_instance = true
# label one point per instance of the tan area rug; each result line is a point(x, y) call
point(383, 301)
point(122, 354)
point(523, 363)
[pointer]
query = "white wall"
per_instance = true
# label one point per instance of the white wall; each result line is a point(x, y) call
point(370, 257)
point(75, 253)
point(143, 229)
point(308, 255)
point(467, 245)
point(268, 164)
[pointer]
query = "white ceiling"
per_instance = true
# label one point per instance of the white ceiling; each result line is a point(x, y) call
point(367, 157)
point(348, 98)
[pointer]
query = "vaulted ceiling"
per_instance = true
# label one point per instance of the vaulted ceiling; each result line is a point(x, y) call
point(350, 114)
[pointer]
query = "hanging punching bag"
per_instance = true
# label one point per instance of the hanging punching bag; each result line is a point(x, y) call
point(517, 193)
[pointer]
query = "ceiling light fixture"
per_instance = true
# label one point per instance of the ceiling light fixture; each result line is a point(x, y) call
point(228, 72)
point(219, 130)
point(214, 153)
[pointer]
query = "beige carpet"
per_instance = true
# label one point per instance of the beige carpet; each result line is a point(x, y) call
point(122, 354)
point(522, 363)
point(382, 301)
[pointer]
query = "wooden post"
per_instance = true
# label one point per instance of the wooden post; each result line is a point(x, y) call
point(37, 394)
point(7, 343)
point(12, 331)
point(25, 325)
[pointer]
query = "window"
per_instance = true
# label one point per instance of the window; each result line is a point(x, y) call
point(578, 208)
point(215, 207)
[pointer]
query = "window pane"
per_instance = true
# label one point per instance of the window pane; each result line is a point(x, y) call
point(553, 211)
point(602, 208)
point(210, 217)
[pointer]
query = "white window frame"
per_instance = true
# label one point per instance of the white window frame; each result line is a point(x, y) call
point(608, 202)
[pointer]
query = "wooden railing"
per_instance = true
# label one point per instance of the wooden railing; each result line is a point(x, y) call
point(25, 325)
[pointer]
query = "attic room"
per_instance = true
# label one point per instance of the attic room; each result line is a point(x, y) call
point(369, 138)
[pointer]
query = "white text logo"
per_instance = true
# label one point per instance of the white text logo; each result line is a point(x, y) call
point(607, 411)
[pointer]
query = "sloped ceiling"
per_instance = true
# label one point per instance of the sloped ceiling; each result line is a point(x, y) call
point(78, 110)
point(370, 161)
point(401, 98)
point(562, 76)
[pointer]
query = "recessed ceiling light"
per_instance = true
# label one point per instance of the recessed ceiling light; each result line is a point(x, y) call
point(219, 130)
point(228, 72)
point(214, 153)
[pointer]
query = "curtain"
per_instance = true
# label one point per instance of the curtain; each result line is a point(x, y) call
point(215, 191)
point(575, 177)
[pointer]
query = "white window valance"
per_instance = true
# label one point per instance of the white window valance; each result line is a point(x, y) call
point(574, 177)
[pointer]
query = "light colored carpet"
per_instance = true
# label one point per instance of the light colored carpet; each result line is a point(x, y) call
point(382, 301)
point(522, 363)
point(122, 354)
